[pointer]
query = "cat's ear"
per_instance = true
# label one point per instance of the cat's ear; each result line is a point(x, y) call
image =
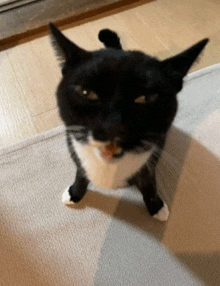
point(67, 51)
point(177, 66)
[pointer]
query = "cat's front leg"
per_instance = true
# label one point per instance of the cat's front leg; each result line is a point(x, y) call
point(146, 183)
point(75, 192)
point(156, 207)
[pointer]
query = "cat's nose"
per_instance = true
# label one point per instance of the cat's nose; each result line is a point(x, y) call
point(109, 133)
point(111, 127)
point(100, 134)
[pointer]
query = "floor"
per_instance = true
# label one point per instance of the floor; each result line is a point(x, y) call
point(33, 16)
point(29, 72)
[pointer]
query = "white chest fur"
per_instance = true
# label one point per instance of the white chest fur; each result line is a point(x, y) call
point(109, 173)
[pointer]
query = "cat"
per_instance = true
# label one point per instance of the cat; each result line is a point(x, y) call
point(117, 107)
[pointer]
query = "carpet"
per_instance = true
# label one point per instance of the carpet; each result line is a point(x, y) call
point(108, 238)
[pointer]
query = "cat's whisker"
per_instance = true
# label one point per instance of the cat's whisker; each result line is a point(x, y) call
point(172, 166)
point(170, 162)
point(154, 136)
point(75, 128)
point(162, 186)
point(75, 132)
point(147, 143)
point(145, 146)
point(80, 138)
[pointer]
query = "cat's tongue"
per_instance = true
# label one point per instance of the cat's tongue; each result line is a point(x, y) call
point(109, 150)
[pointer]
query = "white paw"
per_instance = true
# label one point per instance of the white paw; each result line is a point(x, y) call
point(66, 198)
point(163, 213)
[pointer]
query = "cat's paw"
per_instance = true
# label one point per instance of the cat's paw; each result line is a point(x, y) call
point(66, 198)
point(163, 213)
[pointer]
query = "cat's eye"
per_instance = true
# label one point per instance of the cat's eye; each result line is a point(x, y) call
point(92, 95)
point(88, 93)
point(142, 99)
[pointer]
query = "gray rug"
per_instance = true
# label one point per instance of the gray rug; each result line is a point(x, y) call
point(109, 239)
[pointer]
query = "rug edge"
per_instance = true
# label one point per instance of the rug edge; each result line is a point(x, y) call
point(33, 140)
point(202, 72)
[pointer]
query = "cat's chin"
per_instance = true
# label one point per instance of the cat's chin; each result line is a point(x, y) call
point(107, 150)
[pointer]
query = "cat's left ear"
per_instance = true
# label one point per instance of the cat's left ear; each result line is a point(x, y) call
point(177, 67)
point(67, 51)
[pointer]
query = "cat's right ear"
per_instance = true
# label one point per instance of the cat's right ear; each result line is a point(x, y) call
point(67, 51)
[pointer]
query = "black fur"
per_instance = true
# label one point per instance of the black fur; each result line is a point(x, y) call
point(119, 77)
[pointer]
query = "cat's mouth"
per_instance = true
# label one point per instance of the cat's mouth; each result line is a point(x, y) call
point(106, 150)
point(111, 151)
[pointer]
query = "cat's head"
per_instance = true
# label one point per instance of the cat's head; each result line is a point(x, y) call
point(126, 96)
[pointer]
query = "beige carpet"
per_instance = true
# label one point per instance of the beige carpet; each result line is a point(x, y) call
point(109, 239)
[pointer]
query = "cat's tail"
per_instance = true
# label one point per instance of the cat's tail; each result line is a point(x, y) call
point(110, 39)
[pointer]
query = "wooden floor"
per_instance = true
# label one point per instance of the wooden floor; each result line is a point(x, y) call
point(29, 72)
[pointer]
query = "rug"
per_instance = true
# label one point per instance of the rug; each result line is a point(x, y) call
point(109, 239)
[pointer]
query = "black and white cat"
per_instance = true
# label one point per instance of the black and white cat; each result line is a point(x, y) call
point(118, 107)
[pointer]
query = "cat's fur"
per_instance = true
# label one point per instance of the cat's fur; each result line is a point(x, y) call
point(123, 96)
